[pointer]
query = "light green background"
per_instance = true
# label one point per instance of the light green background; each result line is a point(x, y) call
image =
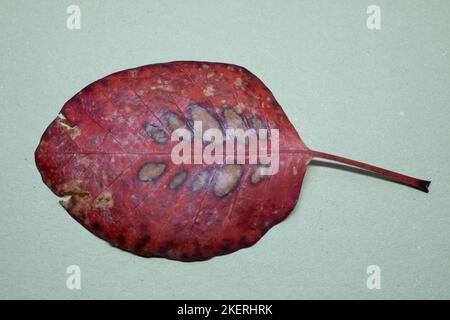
point(375, 96)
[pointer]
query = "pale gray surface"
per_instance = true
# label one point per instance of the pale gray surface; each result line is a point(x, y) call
point(376, 96)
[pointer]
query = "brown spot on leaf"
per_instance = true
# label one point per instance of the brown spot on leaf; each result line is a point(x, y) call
point(73, 131)
point(80, 200)
point(72, 187)
point(178, 180)
point(104, 200)
point(200, 180)
point(227, 179)
point(256, 123)
point(78, 205)
point(232, 119)
point(199, 113)
point(151, 171)
point(256, 175)
point(155, 133)
point(174, 121)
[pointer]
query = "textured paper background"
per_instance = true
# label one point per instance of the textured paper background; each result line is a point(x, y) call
point(376, 96)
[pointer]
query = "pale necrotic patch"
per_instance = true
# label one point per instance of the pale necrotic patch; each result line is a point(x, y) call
point(201, 180)
point(178, 180)
point(155, 133)
point(227, 179)
point(151, 171)
point(232, 119)
point(257, 176)
point(256, 123)
point(201, 114)
point(78, 205)
point(73, 131)
point(104, 200)
point(174, 121)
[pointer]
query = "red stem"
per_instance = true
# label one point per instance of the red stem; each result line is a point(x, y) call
point(410, 181)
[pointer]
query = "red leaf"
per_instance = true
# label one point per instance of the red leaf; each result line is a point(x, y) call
point(109, 151)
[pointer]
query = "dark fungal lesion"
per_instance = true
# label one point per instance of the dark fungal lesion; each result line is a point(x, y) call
point(201, 180)
point(227, 179)
point(178, 180)
point(155, 133)
point(151, 171)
